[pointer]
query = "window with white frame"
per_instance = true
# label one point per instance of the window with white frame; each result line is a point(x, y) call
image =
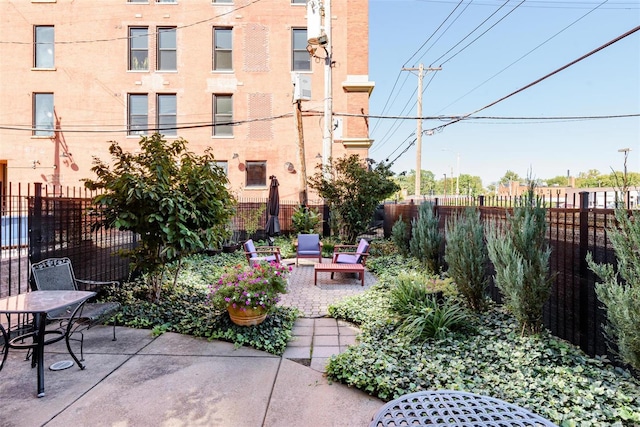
point(256, 174)
point(222, 49)
point(300, 58)
point(43, 46)
point(224, 165)
point(43, 115)
point(222, 1)
point(138, 114)
point(167, 49)
point(139, 48)
point(137, 1)
point(222, 115)
point(167, 114)
point(298, 1)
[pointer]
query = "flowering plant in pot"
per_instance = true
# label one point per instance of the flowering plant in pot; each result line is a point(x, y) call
point(250, 293)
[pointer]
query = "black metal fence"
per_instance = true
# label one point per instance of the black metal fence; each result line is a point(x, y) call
point(41, 222)
point(573, 311)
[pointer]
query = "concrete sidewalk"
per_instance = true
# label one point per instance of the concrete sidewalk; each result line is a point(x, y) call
point(175, 380)
point(179, 380)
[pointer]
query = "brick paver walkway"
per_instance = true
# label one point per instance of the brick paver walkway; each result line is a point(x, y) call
point(315, 335)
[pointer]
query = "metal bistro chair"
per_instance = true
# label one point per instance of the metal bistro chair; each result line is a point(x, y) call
point(262, 253)
point(56, 274)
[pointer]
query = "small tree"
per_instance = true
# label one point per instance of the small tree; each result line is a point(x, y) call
point(466, 257)
point(400, 235)
point(426, 239)
point(353, 190)
point(520, 255)
point(176, 201)
point(619, 290)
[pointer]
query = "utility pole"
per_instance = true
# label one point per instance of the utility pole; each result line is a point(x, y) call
point(327, 138)
point(420, 71)
point(301, 156)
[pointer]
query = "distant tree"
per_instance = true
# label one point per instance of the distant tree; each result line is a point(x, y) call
point(470, 185)
point(407, 181)
point(560, 181)
point(176, 201)
point(510, 176)
point(353, 191)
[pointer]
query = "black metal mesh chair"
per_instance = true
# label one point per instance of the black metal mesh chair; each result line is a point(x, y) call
point(56, 274)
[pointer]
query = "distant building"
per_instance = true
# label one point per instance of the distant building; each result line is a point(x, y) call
point(75, 75)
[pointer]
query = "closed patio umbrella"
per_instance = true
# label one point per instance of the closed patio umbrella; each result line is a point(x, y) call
point(273, 209)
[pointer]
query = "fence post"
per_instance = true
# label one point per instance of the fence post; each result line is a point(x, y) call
point(584, 270)
point(35, 225)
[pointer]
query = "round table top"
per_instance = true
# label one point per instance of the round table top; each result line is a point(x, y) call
point(454, 408)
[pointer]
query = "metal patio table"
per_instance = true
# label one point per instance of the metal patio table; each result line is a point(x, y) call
point(39, 304)
point(454, 408)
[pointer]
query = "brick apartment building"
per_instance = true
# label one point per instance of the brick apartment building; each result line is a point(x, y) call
point(75, 75)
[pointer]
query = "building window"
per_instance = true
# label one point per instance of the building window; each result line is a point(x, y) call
point(222, 115)
point(256, 174)
point(222, 49)
point(137, 1)
point(139, 49)
point(224, 165)
point(44, 38)
point(43, 114)
point(222, 1)
point(300, 59)
point(138, 118)
point(167, 115)
point(167, 54)
point(298, 1)
point(166, 1)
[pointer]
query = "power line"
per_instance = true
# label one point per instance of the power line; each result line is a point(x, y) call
point(526, 54)
point(575, 61)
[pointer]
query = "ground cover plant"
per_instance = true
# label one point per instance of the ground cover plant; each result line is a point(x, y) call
point(540, 372)
point(185, 308)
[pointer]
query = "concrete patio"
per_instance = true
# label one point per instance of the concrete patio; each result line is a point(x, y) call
point(178, 380)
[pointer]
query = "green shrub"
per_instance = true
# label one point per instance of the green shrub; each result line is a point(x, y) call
point(306, 220)
point(400, 235)
point(414, 301)
point(520, 255)
point(620, 290)
point(466, 257)
point(426, 239)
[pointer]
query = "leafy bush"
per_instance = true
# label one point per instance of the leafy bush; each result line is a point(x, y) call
point(353, 191)
point(466, 257)
point(426, 239)
point(306, 220)
point(621, 298)
point(400, 234)
point(520, 255)
point(176, 201)
point(421, 316)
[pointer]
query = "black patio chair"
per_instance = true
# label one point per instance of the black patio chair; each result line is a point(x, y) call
point(56, 274)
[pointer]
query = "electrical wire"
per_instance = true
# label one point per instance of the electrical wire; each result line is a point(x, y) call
point(525, 55)
point(575, 61)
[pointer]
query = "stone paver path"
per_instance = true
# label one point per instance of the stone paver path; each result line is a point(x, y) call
point(316, 337)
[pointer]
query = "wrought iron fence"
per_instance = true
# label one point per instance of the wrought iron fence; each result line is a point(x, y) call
point(40, 221)
point(574, 228)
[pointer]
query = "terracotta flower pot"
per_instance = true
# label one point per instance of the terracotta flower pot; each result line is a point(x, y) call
point(248, 316)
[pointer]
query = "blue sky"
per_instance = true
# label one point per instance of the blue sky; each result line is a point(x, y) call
point(514, 53)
